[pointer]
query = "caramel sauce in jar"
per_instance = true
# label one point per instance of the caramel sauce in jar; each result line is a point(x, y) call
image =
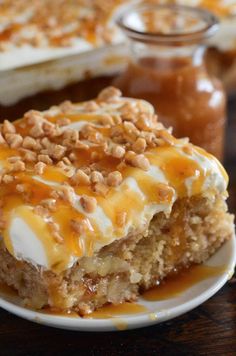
point(184, 96)
point(168, 70)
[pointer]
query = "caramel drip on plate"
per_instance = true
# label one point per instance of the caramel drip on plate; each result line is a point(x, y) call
point(178, 283)
point(105, 312)
point(7, 291)
point(110, 311)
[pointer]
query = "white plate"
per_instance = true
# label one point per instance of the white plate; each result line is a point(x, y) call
point(158, 311)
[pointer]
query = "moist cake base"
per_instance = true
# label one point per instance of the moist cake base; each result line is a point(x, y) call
point(195, 229)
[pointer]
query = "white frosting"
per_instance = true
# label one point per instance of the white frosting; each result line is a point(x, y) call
point(212, 172)
point(26, 244)
point(19, 83)
point(157, 174)
point(189, 182)
point(25, 55)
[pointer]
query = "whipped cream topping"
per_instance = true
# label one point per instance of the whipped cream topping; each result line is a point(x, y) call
point(176, 169)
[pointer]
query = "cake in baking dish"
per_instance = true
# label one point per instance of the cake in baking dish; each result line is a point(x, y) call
point(48, 51)
point(99, 202)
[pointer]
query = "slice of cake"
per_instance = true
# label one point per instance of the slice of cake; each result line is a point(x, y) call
point(99, 202)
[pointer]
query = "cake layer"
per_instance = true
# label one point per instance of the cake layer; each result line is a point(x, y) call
point(78, 177)
point(195, 229)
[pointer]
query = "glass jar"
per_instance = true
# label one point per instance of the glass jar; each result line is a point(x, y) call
point(167, 69)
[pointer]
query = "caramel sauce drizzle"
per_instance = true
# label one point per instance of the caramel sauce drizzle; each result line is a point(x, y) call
point(170, 160)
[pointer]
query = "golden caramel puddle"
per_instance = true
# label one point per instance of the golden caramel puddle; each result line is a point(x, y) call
point(106, 312)
point(109, 311)
point(178, 283)
point(56, 312)
point(8, 291)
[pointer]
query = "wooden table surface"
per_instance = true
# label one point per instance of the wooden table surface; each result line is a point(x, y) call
point(208, 330)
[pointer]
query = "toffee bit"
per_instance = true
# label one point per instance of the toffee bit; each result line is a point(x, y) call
point(29, 143)
point(18, 166)
point(13, 159)
point(67, 194)
point(129, 156)
point(109, 94)
point(41, 211)
point(114, 179)
point(36, 131)
point(121, 218)
point(33, 117)
point(89, 204)
point(140, 161)
point(29, 156)
point(57, 152)
point(90, 106)
point(80, 178)
point(63, 121)
point(139, 145)
point(20, 188)
point(96, 177)
point(45, 159)
point(72, 156)
point(66, 106)
point(49, 204)
point(8, 127)
point(128, 111)
point(39, 168)
point(106, 120)
point(80, 227)
point(55, 231)
point(117, 151)
point(101, 189)
point(14, 140)
point(6, 178)
point(2, 140)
